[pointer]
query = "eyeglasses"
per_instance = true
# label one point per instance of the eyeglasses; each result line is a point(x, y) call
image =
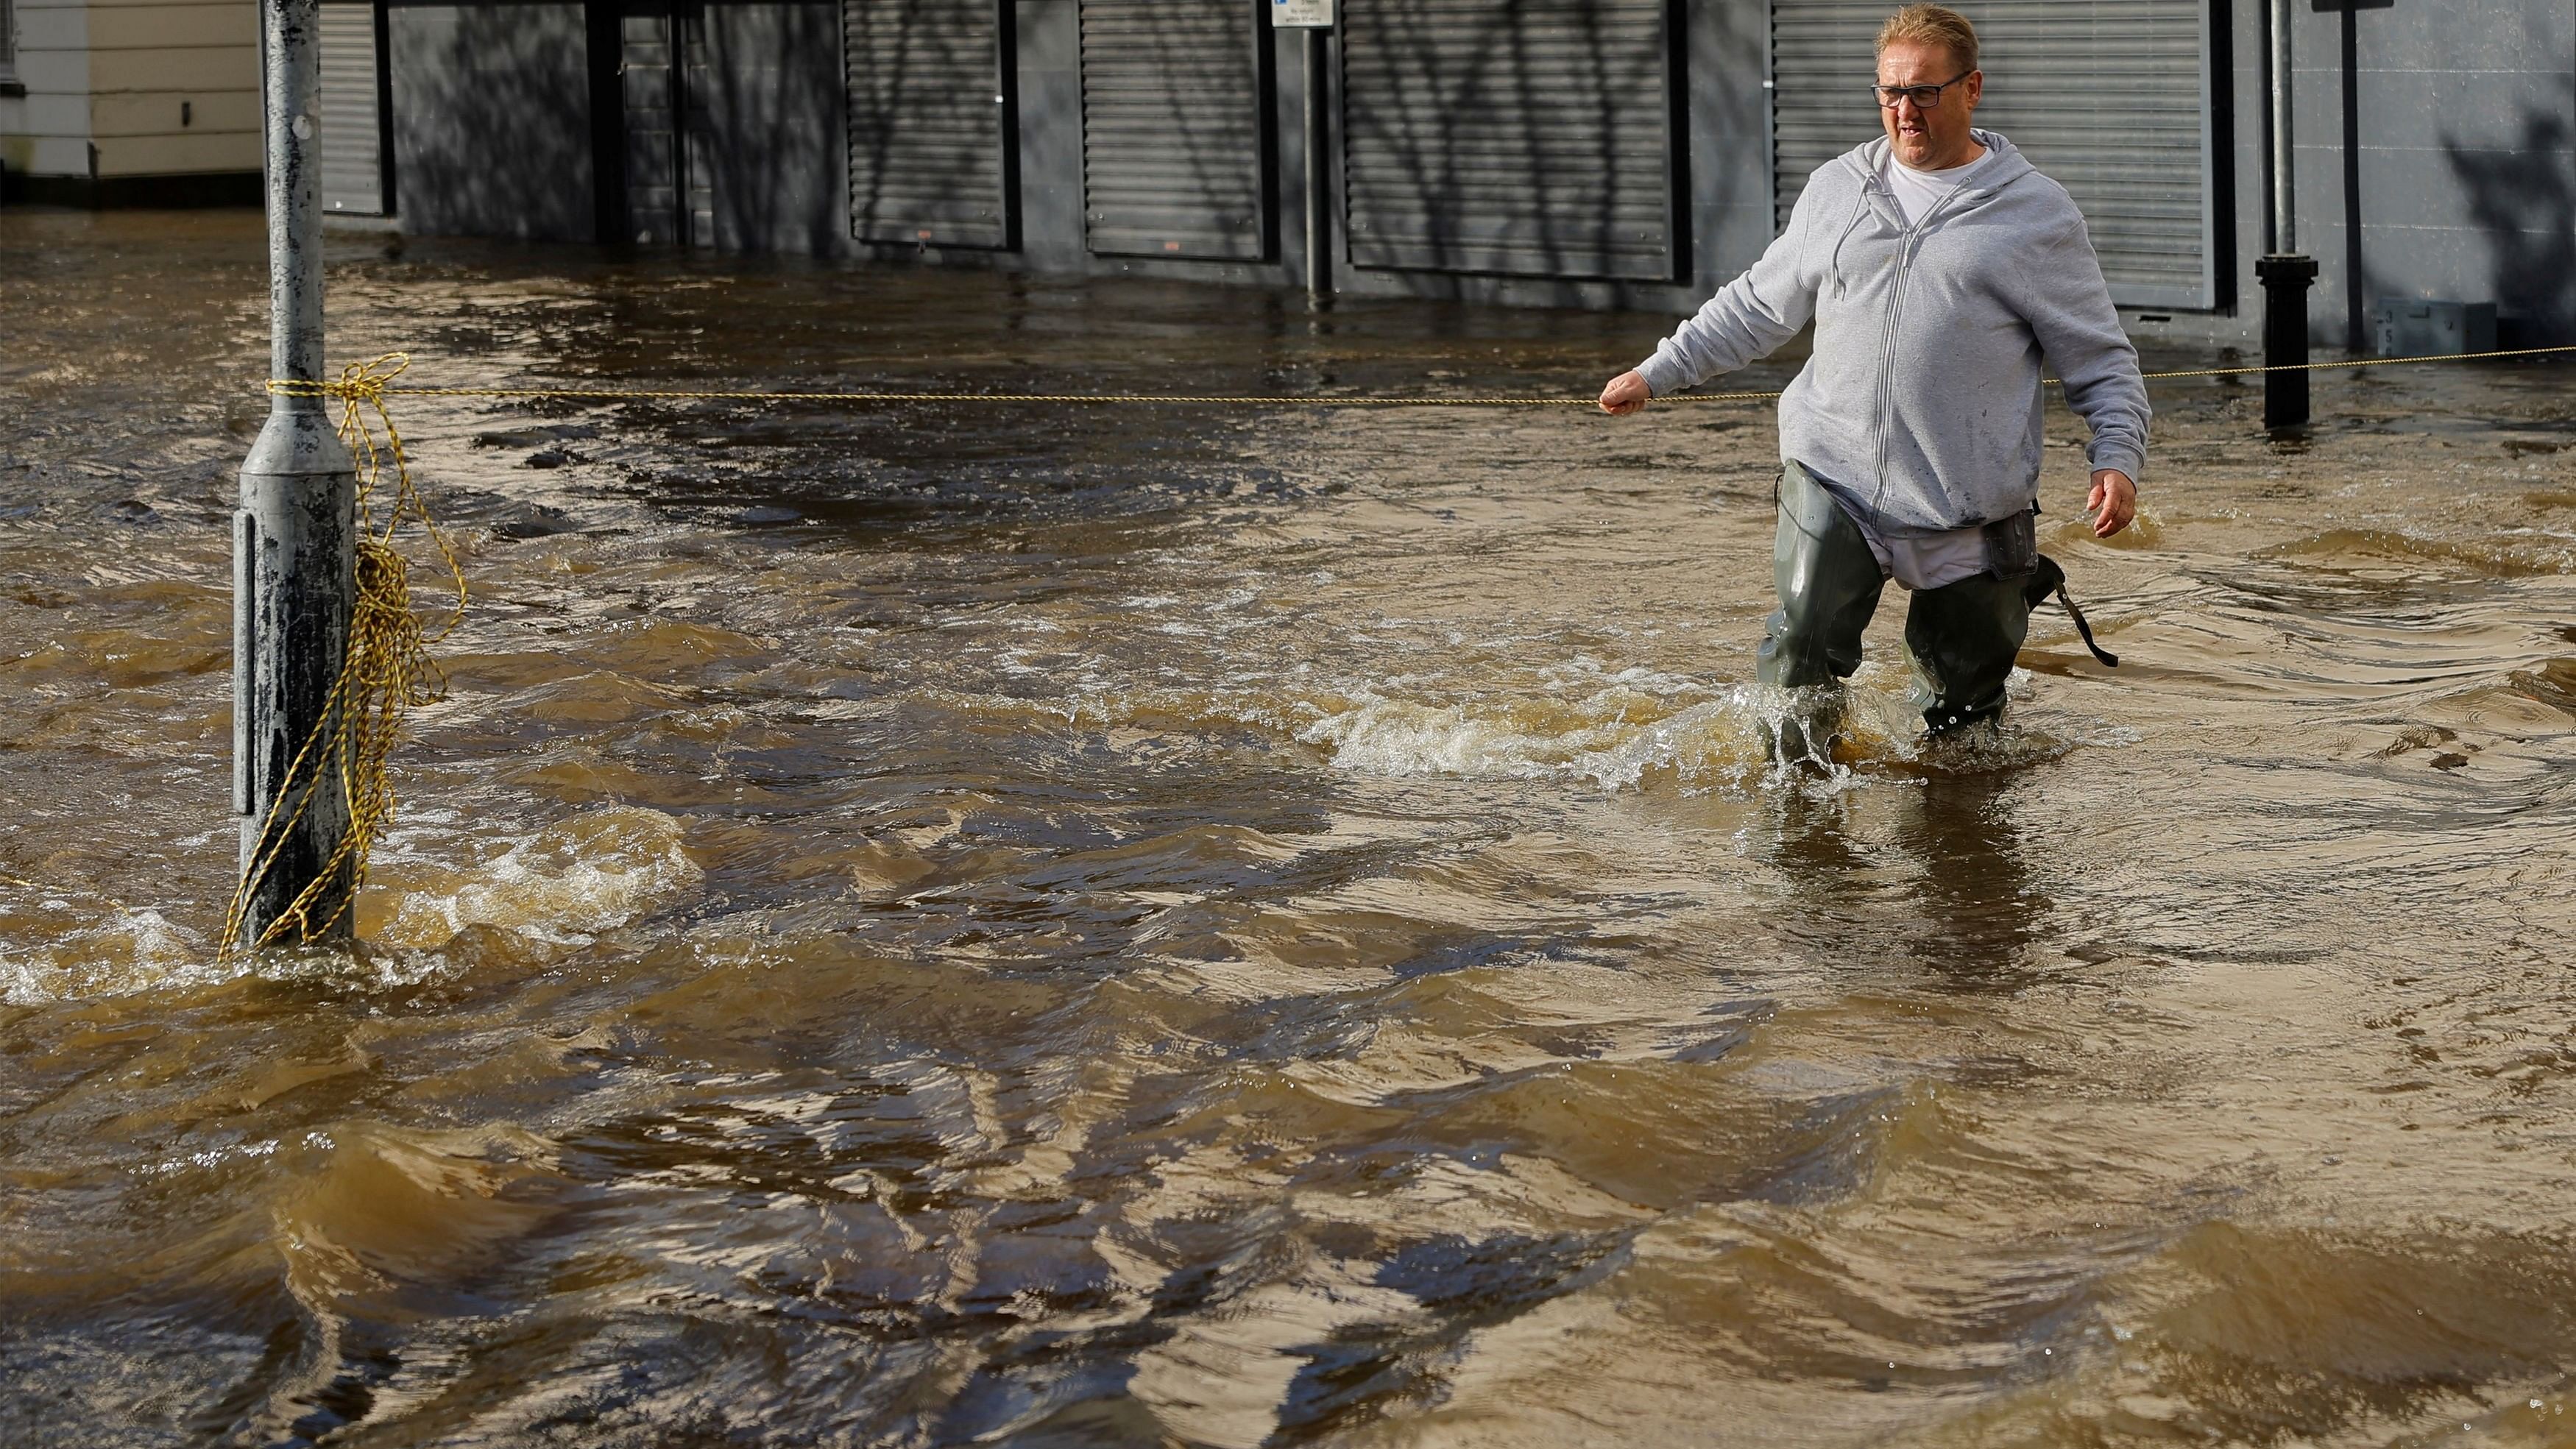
point(1925, 98)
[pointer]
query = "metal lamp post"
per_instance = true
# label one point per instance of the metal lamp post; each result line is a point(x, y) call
point(294, 568)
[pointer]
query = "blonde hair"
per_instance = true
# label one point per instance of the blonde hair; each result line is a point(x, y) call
point(1932, 25)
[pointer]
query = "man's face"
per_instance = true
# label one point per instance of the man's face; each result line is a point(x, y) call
point(1933, 138)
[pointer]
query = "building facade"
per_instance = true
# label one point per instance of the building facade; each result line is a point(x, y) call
point(1633, 153)
point(108, 102)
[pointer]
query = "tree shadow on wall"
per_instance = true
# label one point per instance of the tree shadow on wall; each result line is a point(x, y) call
point(2522, 198)
point(767, 130)
point(492, 122)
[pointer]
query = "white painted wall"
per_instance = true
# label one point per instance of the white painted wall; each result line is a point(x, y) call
point(148, 58)
point(46, 132)
point(159, 87)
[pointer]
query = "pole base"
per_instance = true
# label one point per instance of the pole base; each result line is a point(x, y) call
point(2286, 279)
point(294, 590)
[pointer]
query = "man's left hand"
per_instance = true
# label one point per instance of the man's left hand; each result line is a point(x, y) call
point(2113, 501)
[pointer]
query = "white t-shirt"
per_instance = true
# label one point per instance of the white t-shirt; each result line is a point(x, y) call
point(1920, 191)
point(1929, 561)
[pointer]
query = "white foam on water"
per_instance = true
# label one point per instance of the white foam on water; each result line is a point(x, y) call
point(1395, 738)
point(562, 886)
point(1645, 726)
point(1584, 721)
point(129, 950)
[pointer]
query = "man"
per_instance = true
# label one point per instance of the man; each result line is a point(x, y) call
point(1942, 273)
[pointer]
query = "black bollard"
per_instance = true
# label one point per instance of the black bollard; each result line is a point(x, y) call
point(2286, 280)
point(2286, 274)
point(294, 539)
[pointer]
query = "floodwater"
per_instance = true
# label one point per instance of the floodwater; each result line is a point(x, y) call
point(1055, 926)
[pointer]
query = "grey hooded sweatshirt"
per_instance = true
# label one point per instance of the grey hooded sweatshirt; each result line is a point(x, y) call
point(1921, 403)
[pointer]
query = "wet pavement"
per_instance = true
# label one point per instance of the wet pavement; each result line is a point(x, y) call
point(955, 924)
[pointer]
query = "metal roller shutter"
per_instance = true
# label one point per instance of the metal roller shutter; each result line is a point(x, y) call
point(1511, 136)
point(1173, 145)
point(353, 132)
point(931, 127)
point(2109, 97)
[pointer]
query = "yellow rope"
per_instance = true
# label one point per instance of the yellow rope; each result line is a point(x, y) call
point(1171, 399)
point(2356, 362)
point(387, 670)
point(1312, 400)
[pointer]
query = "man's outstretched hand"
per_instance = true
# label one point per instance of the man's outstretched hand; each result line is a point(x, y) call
point(2112, 503)
point(1626, 394)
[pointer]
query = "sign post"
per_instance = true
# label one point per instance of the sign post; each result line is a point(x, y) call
point(294, 538)
point(1315, 17)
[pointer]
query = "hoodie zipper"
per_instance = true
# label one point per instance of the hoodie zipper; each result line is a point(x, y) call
point(1905, 247)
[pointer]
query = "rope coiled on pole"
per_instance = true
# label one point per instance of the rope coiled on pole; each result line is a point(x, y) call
point(386, 672)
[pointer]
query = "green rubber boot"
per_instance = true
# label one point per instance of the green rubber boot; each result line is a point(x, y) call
point(1828, 583)
point(1961, 639)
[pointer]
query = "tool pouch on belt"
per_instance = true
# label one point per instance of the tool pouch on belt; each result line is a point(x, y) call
point(2012, 544)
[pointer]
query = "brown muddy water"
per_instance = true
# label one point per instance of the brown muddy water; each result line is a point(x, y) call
point(1034, 926)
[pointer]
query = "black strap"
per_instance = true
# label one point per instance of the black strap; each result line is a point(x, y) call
point(2109, 659)
point(2050, 578)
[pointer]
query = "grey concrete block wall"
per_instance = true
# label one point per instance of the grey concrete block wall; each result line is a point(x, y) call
point(2466, 167)
point(2467, 160)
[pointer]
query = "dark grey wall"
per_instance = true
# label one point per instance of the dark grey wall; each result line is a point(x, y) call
point(492, 120)
point(1730, 138)
point(769, 127)
point(2239, 318)
point(491, 124)
point(1050, 69)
